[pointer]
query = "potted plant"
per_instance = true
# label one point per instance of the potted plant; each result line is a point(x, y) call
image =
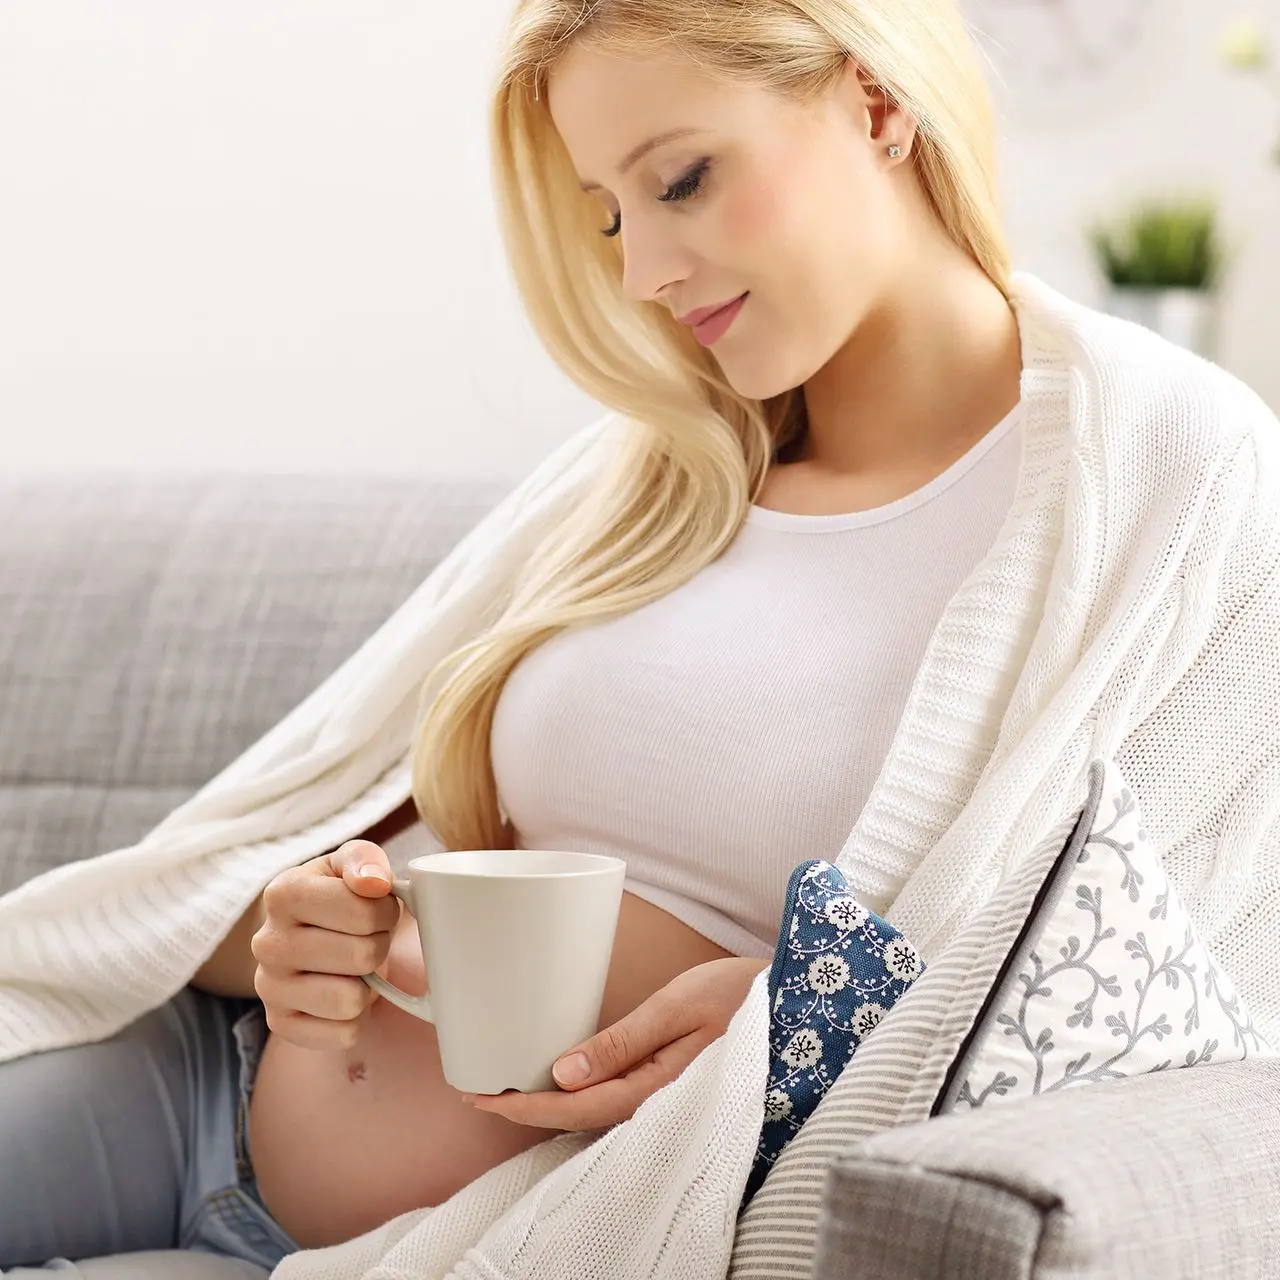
point(1162, 261)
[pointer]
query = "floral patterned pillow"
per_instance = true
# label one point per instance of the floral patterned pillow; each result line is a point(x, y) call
point(1110, 977)
point(837, 970)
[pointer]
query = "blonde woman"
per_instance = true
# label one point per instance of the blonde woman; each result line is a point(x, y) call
point(766, 234)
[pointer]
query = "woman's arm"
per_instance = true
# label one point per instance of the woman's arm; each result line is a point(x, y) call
point(231, 969)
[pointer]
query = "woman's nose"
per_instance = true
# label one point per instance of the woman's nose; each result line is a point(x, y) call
point(651, 263)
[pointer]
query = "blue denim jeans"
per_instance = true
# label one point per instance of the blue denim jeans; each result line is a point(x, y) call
point(138, 1142)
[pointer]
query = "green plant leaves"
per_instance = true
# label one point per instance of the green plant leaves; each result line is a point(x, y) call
point(1162, 245)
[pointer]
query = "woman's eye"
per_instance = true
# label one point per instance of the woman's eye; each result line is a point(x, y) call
point(687, 187)
point(684, 188)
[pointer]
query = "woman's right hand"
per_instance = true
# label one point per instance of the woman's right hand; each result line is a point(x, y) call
point(326, 922)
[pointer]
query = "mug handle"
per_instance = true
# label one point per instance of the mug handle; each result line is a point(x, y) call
point(419, 1006)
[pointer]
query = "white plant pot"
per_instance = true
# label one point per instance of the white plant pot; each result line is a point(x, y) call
point(1188, 317)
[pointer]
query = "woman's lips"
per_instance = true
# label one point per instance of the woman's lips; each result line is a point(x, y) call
point(714, 326)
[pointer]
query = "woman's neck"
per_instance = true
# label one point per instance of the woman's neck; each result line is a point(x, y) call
point(926, 375)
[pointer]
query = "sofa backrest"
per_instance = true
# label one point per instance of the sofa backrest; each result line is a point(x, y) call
point(153, 628)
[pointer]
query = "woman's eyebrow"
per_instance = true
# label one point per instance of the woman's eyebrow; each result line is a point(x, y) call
point(643, 149)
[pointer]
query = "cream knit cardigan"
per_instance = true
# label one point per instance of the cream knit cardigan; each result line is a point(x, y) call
point(1129, 610)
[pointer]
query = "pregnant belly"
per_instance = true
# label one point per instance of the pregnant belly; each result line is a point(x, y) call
point(345, 1140)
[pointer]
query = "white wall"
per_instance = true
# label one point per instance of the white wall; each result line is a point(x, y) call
point(248, 236)
point(1183, 122)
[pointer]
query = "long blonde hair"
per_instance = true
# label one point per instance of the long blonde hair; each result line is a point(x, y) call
point(695, 451)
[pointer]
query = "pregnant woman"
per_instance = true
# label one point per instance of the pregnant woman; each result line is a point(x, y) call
point(767, 236)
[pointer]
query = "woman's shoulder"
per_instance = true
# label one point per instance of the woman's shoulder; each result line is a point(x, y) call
point(1132, 377)
point(1167, 407)
point(1205, 440)
point(1160, 430)
point(563, 475)
point(1193, 410)
point(581, 454)
point(1184, 401)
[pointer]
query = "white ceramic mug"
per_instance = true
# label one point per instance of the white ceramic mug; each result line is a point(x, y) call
point(516, 945)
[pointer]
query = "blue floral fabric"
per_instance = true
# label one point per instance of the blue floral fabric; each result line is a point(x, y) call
point(837, 970)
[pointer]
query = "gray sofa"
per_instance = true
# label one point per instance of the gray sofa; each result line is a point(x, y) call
point(152, 628)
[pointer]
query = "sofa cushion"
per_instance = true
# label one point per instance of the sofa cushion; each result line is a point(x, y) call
point(151, 629)
point(1110, 977)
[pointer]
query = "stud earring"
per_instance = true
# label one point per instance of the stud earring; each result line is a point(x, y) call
point(894, 152)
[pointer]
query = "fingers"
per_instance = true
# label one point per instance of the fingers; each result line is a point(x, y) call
point(602, 1105)
point(324, 925)
point(302, 895)
point(305, 948)
point(656, 1023)
point(321, 995)
point(363, 867)
point(313, 1010)
point(313, 1033)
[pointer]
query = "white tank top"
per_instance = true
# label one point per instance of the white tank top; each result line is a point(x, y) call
point(720, 735)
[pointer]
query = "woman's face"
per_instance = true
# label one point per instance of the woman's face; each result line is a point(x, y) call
point(798, 207)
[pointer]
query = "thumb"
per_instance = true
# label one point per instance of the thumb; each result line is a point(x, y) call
point(628, 1042)
point(363, 867)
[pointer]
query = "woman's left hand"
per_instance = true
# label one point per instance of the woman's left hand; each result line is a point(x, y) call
point(636, 1056)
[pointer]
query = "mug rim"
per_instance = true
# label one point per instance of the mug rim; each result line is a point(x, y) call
point(605, 863)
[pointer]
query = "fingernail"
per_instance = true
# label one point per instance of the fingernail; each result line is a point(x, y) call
point(468, 1098)
point(572, 1070)
point(371, 871)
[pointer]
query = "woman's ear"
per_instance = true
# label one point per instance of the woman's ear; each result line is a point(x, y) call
point(889, 128)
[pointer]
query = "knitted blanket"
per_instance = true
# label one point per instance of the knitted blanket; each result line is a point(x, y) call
point(1129, 610)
